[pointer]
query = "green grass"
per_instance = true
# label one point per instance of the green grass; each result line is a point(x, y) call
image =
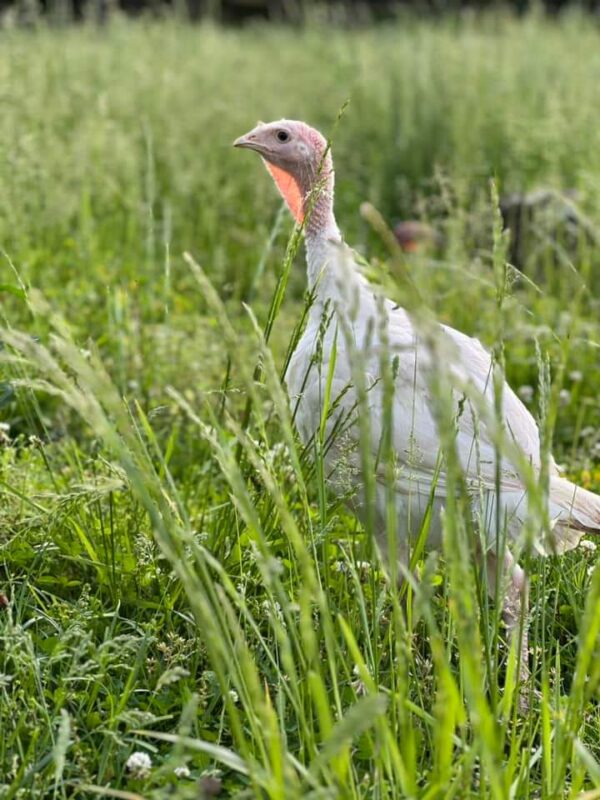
point(180, 580)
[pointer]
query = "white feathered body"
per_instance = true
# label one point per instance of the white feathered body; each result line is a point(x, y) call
point(364, 329)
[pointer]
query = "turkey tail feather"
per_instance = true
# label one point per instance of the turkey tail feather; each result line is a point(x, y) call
point(575, 511)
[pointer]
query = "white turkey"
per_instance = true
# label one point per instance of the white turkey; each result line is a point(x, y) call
point(366, 328)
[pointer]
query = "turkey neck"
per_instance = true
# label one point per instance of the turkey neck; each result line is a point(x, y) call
point(319, 252)
point(320, 231)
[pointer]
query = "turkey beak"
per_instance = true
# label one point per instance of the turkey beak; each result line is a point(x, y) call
point(248, 141)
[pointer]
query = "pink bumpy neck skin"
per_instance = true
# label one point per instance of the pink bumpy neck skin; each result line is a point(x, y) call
point(319, 200)
point(308, 189)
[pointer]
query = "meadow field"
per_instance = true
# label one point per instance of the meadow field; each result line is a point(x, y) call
point(176, 579)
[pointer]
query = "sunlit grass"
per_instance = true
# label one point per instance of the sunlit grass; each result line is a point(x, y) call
point(180, 580)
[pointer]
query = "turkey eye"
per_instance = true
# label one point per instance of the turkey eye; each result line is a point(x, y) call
point(282, 136)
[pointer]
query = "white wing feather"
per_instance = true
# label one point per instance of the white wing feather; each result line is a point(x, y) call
point(365, 324)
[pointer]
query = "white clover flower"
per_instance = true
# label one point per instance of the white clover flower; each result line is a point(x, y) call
point(139, 764)
point(363, 566)
point(234, 695)
point(564, 397)
point(182, 772)
point(576, 376)
point(587, 545)
point(525, 392)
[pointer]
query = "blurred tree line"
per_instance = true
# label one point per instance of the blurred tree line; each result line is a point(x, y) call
point(350, 12)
